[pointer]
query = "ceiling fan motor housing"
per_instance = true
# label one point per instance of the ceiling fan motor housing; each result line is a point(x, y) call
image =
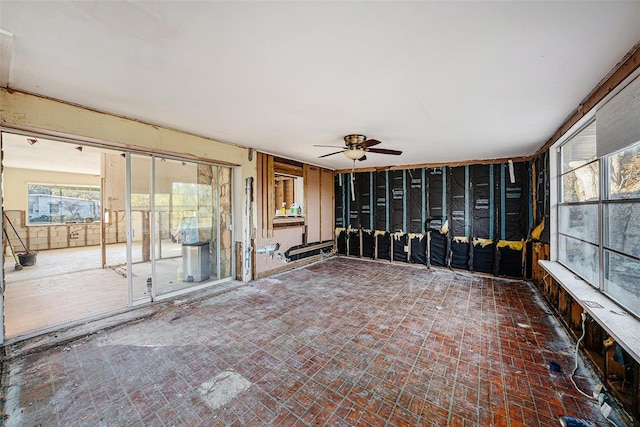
point(354, 140)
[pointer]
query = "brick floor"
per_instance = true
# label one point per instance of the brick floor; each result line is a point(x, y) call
point(340, 343)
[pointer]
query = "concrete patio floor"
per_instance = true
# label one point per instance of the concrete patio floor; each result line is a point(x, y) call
point(338, 343)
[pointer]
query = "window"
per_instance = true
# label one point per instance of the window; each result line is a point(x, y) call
point(599, 216)
point(60, 204)
point(621, 211)
point(578, 238)
point(288, 194)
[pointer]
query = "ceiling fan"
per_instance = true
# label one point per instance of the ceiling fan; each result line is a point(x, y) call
point(357, 146)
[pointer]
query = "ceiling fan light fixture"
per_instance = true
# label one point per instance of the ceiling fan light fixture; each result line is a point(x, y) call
point(354, 154)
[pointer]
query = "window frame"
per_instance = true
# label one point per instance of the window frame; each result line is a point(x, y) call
point(603, 201)
point(56, 202)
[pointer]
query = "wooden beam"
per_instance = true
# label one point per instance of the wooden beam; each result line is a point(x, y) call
point(627, 66)
point(270, 193)
point(287, 168)
point(266, 183)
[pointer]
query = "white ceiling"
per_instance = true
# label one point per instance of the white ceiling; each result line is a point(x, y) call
point(441, 81)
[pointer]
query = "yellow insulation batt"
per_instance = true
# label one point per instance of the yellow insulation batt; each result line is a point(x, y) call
point(380, 233)
point(398, 235)
point(445, 227)
point(338, 231)
point(535, 234)
point(414, 235)
point(482, 242)
point(514, 245)
point(461, 239)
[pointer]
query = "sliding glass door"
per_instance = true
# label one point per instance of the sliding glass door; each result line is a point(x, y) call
point(140, 228)
point(111, 229)
point(180, 225)
point(192, 237)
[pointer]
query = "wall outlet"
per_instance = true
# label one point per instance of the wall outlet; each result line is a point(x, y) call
point(605, 409)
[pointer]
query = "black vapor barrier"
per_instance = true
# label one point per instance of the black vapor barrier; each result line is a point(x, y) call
point(460, 253)
point(354, 201)
point(295, 253)
point(397, 201)
point(362, 204)
point(341, 242)
point(468, 217)
point(400, 247)
point(458, 200)
point(484, 254)
point(383, 243)
point(418, 248)
point(415, 200)
point(482, 202)
point(510, 259)
point(339, 194)
point(353, 237)
point(514, 194)
point(439, 249)
point(368, 244)
point(436, 198)
point(380, 207)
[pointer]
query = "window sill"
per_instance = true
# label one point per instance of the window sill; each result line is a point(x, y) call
point(622, 326)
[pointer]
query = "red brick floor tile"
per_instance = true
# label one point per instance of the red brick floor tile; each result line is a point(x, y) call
point(340, 343)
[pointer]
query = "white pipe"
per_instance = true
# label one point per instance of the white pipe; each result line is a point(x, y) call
point(353, 194)
point(246, 265)
point(512, 175)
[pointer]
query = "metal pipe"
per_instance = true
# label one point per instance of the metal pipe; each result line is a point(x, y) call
point(268, 249)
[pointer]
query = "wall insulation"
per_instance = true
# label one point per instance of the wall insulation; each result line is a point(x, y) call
point(472, 217)
point(416, 200)
point(340, 201)
point(418, 248)
point(400, 247)
point(542, 197)
point(368, 244)
point(383, 245)
point(353, 237)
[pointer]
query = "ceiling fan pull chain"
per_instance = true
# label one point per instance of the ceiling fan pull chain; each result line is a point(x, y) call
point(353, 193)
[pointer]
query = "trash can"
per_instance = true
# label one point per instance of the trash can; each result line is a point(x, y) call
point(195, 262)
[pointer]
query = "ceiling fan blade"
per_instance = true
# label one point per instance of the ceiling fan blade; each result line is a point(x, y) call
point(384, 151)
point(331, 154)
point(370, 143)
point(363, 158)
point(330, 146)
